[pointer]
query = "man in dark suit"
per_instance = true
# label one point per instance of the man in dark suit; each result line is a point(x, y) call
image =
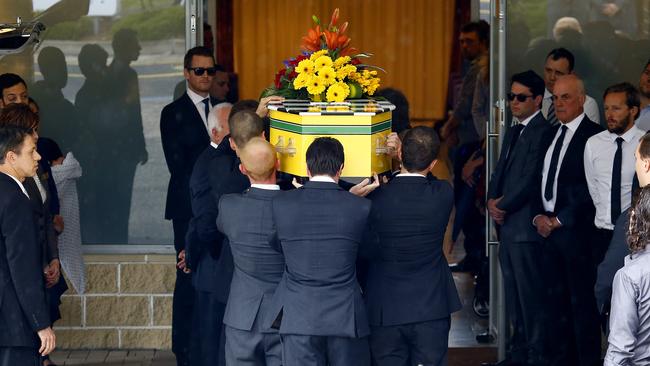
point(184, 135)
point(318, 305)
point(202, 243)
point(409, 217)
point(511, 193)
point(24, 317)
point(245, 219)
point(564, 216)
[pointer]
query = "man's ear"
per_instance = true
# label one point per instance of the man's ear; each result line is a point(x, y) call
point(646, 165)
point(186, 74)
point(242, 169)
point(232, 143)
point(277, 164)
point(433, 163)
point(309, 173)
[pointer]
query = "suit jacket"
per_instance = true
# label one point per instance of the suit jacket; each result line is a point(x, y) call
point(408, 218)
point(246, 219)
point(613, 261)
point(214, 274)
point(320, 227)
point(43, 218)
point(573, 205)
point(517, 177)
point(23, 310)
point(184, 137)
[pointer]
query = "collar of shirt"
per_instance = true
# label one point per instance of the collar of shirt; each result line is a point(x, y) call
point(645, 111)
point(322, 178)
point(214, 145)
point(196, 98)
point(22, 188)
point(547, 94)
point(527, 120)
point(410, 175)
point(575, 123)
point(635, 256)
point(268, 187)
point(628, 136)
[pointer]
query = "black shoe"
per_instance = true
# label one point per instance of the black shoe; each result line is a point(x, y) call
point(465, 265)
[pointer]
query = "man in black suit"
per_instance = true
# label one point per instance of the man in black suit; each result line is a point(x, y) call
point(184, 135)
point(245, 219)
point(511, 193)
point(24, 314)
point(202, 244)
point(409, 217)
point(318, 305)
point(564, 216)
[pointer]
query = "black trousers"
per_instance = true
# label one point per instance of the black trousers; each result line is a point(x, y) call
point(208, 334)
point(306, 350)
point(423, 343)
point(522, 266)
point(182, 303)
point(23, 356)
point(574, 337)
point(599, 243)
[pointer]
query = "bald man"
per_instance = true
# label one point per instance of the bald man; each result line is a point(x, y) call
point(564, 218)
point(246, 220)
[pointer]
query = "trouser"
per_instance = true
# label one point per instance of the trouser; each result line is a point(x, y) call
point(208, 338)
point(422, 343)
point(305, 350)
point(522, 266)
point(182, 303)
point(252, 347)
point(23, 356)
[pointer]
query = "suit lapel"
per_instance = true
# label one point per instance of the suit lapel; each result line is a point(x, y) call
point(191, 109)
point(522, 143)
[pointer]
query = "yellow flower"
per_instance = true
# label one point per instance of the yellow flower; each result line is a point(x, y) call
point(341, 61)
point(316, 85)
point(323, 61)
point(301, 81)
point(336, 93)
point(374, 84)
point(328, 74)
point(345, 71)
point(317, 54)
point(305, 67)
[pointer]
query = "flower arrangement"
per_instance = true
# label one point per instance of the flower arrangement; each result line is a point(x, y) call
point(328, 69)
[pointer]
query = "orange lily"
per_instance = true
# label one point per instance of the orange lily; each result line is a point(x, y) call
point(311, 42)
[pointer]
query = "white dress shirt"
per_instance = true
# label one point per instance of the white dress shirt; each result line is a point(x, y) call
point(322, 178)
point(643, 122)
point(268, 187)
point(214, 145)
point(599, 160)
point(20, 184)
point(590, 107)
point(200, 106)
point(571, 129)
point(410, 175)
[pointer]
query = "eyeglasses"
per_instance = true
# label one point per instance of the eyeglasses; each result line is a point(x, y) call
point(520, 97)
point(198, 71)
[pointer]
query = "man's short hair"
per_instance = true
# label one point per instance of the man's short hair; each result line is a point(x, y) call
point(420, 147)
point(11, 139)
point(646, 64)
point(19, 115)
point(245, 125)
point(196, 51)
point(559, 53)
point(244, 105)
point(325, 156)
point(531, 80)
point(632, 98)
point(259, 159)
point(8, 80)
point(213, 117)
point(481, 28)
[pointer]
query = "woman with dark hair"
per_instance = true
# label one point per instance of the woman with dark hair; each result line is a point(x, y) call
point(629, 322)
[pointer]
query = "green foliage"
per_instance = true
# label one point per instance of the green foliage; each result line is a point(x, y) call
point(530, 12)
point(154, 25)
point(72, 30)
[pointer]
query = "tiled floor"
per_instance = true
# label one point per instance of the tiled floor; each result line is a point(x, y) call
point(114, 357)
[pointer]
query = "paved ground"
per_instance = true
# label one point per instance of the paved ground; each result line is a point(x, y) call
point(113, 357)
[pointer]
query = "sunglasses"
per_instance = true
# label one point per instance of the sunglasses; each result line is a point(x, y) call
point(520, 97)
point(198, 71)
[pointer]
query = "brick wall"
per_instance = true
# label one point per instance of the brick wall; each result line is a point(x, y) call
point(127, 304)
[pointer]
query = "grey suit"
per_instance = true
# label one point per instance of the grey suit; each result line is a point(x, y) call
point(245, 219)
point(521, 250)
point(318, 301)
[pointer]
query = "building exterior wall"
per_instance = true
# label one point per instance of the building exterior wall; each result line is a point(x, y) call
point(127, 304)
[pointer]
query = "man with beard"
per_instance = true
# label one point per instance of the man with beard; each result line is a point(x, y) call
point(643, 122)
point(609, 163)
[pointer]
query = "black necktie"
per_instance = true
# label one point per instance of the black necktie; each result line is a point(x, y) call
point(616, 181)
point(550, 116)
point(550, 178)
point(206, 103)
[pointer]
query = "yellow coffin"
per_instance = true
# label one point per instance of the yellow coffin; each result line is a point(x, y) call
point(361, 127)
